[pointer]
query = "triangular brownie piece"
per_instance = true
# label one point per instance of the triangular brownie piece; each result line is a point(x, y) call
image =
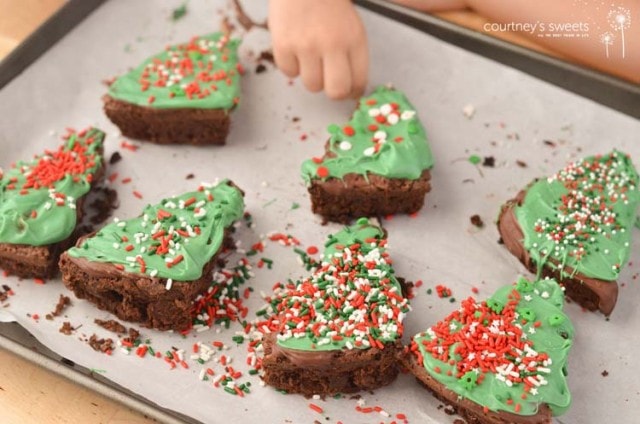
point(41, 203)
point(375, 165)
point(183, 95)
point(151, 268)
point(576, 227)
point(502, 360)
point(339, 330)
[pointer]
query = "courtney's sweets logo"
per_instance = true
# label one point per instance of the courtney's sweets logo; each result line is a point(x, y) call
point(542, 29)
point(619, 20)
point(609, 28)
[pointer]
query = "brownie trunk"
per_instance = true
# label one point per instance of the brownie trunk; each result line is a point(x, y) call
point(137, 297)
point(355, 195)
point(590, 293)
point(168, 126)
point(472, 412)
point(329, 372)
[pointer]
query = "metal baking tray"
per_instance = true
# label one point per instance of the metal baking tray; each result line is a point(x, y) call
point(607, 90)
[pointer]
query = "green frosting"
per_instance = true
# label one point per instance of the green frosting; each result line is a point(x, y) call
point(581, 218)
point(38, 198)
point(203, 74)
point(384, 137)
point(506, 354)
point(352, 301)
point(174, 239)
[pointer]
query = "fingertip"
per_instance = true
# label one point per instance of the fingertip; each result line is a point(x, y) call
point(286, 62)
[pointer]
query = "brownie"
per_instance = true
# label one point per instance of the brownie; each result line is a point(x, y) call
point(502, 360)
point(183, 95)
point(169, 126)
point(584, 216)
point(150, 269)
point(340, 200)
point(377, 164)
point(42, 203)
point(339, 330)
point(329, 372)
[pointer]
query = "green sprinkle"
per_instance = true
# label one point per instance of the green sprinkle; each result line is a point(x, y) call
point(429, 291)
point(238, 339)
point(270, 202)
point(100, 371)
point(469, 380)
point(295, 206)
point(230, 390)
point(475, 159)
point(253, 372)
point(179, 12)
point(200, 361)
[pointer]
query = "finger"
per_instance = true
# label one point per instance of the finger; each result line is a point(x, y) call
point(311, 71)
point(359, 58)
point(337, 76)
point(286, 61)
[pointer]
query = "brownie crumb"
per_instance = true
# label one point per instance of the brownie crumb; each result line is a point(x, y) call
point(63, 302)
point(105, 201)
point(477, 221)
point(66, 328)
point(267, 55)
point(295, 119)
point(260, 68)
point(605, 373)
point(111, 325)
point(100, 345)
point(190, 176)
point(115, 158)
point(459, 421)
point(449, 410)
point(5, 293)
point(521, 163)
point(244, 20)
point(133, 335)
point(549, 143)
point(489, 161)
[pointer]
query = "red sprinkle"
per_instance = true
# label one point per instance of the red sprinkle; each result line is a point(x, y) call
point(322, 172)
point(316, 408)
point(312, 250)
point(348, 130)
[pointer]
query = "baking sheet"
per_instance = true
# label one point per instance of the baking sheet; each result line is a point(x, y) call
point(514, 114)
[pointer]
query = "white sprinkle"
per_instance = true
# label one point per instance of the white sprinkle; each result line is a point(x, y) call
point(386, 109)
point(407, 114)
point(169, 284)
point(393, 118)
point(380, 135)
point(345, 145)
point(369, 151)
point(469, 110)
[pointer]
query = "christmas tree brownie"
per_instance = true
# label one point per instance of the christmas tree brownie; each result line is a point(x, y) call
point(151, 268)
point(41, 203)
point(339, 330)
point(502, 360)
point(377, 164)
point(576, 227)
point(183, 95)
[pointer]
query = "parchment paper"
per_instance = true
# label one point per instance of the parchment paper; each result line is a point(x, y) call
point(514, 115)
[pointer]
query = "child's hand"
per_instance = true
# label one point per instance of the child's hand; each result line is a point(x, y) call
point(324, 42)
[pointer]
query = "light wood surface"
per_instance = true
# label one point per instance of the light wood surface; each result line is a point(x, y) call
point(31, 394)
